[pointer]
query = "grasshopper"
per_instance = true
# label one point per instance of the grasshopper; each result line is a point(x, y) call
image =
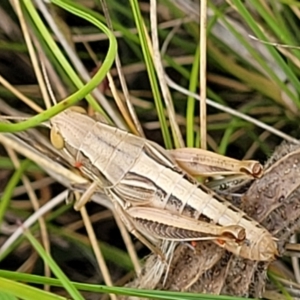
point(156, 199)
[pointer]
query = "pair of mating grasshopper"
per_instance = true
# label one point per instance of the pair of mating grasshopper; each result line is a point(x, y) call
point(156, 199)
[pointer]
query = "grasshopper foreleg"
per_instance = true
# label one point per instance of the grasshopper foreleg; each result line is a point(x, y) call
point(86, 196)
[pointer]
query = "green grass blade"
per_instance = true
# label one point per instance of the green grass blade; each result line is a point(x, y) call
point(9, 189)
point(84, 90)
point(151, 72)
point(190, 110)
point(74, 293)
point(260, 35)
point(157, 294)
point(24, 291)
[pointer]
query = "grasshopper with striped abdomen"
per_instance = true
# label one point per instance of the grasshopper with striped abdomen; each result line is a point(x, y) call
point(154, 196)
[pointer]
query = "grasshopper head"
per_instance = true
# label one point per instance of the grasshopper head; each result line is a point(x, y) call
point(68, 127)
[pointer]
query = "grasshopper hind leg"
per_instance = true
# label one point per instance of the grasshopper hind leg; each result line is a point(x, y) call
point(150, 242)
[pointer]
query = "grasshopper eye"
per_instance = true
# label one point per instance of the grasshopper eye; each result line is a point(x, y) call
point(56, 139)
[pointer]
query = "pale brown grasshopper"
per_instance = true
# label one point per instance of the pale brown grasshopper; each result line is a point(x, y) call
point(156, 199)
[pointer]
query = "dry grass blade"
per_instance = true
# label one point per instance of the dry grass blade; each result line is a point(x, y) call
point(97, 250)
point(126, 108)
point(235, 113)
point(32, 53)
point(178, 141)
